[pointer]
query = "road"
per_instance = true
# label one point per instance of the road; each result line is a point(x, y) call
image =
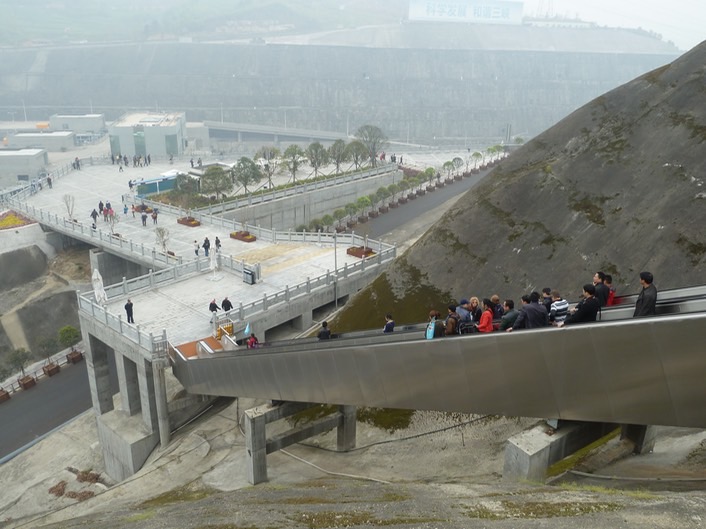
point(53, 401)
point(30, 414)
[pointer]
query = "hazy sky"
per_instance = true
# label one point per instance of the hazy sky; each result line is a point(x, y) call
point(681, 21)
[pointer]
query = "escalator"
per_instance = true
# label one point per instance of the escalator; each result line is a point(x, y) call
point(619, 370)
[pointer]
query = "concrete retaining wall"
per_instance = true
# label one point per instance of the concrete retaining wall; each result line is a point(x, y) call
point(290, 212)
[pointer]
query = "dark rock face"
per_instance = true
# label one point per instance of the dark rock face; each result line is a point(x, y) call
point(21, 266)
point(43, 318)
point(616, 186)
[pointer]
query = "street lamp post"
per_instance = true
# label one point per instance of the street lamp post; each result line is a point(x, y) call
point(335, 269)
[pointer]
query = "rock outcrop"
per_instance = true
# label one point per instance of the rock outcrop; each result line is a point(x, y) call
point(616, 186)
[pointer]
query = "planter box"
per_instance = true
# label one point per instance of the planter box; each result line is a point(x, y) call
point(411, 196)
point(431, 189)
point(439, 184)
point(74, 357)
point(373, 214)
point(449, 181)
point(360, 251)
point(403, 200)
point(459, 177)
point(363, 219)
point(393, 205)
point(188, 221)
point(27, 382)
point(51, 369)
point(384, 209)
point(4, 395)
point(340, 229)
point(169, 252)
point(244, 236)
point(351, 223)
point(475, 171)
point(421, 192)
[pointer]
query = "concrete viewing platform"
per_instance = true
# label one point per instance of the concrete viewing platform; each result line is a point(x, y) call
point(287, 264)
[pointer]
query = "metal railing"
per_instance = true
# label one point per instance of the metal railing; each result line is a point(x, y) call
point(94, 236)
point(203, 214)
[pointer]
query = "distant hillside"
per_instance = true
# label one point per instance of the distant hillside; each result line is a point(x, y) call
point(617, 186)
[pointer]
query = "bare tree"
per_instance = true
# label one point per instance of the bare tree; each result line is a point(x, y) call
point(268, 158)
point(69, 203)
point(162, 237)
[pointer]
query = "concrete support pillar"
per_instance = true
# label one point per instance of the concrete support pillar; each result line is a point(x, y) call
point(160, 387)
point(642, 435)
point(98, 374)
point(304, 321)
point(147, 395)
point(129, 387)
point(345, 433)
point(256, 445)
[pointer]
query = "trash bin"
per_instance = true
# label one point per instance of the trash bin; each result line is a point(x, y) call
point(248, 277)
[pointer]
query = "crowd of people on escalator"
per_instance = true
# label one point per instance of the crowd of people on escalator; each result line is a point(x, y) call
point(547, 308)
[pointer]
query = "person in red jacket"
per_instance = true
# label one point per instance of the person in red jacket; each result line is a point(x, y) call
point(486, 318)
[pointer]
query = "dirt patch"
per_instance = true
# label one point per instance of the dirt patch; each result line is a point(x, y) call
point(73, 264)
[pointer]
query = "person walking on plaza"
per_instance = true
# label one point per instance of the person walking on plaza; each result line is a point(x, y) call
point(144, 218)
point(49, 182)
point(217, 242)
point(128, 311)
point(213, 307)
point(94, 215)
point(154, 216)
point(196, 248)
point(646, 304)
point(206, 245)
point(226, 305)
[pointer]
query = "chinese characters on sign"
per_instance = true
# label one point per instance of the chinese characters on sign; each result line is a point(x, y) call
point(477, 11)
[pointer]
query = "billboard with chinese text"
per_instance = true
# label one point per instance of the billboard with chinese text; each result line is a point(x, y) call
point(476, 11)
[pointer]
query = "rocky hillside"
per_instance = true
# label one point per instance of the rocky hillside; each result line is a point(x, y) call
point(616, 186)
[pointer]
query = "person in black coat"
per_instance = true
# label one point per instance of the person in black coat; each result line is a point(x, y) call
point(587, 310)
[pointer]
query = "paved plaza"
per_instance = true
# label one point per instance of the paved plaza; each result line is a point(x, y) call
point(182, 307)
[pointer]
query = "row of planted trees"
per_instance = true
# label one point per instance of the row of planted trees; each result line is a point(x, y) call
point(412, 185)
point(218, 181)
point(17, 359)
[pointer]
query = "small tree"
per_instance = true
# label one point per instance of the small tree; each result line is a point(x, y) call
point(374, 200)
point(476, 158)
point(246, 172)
point(315, 225)
point(448, 167)
point(338, 154)
point(162, 237)
point(268, 158)
point(394, 189)
point(69, 203)
point(428, 175)
point(216, 180)
point(18, 359)
point(519, 140)
point(69, 336)
point(339, 214)
point(363, 203)
point(48, 346)
point(318, 156)
point(294, 156)
point(327, 221)
point(403, 185)
point(458, 163)
point(351, 209)
point(383, 194)
point(357, 152)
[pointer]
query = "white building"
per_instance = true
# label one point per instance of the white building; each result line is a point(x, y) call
point(149, 133)
point(93, 124)
point(51, 141)
point(21, 165)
